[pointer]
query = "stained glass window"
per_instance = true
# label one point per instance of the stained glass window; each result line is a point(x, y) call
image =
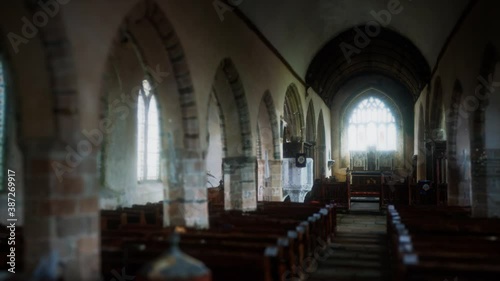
point(148, 135)
point(2, 122)
point(372, 124)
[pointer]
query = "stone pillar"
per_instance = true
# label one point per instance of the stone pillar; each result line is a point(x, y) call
point(62, 208)
point(479, 188)
point(421, 165)
point(240, 183)
point(321, 168)
point(276, 180)
point(263, 186)
point(492, 175)
point(271, 189)
point(185, 195)
point(453, 180)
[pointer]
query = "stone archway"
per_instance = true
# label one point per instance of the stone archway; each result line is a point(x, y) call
point(456, 160)
point(183, 180)
point(293, 115)
point(492, 141)
point(239, 165)
point(421, 151)
point(216, 139)
point(310, 135)
point(436, 110)
point(268, 143)
point(273, 119)
point(60, 176)
point(476, 107)
point(297, 179)
point(321, 158)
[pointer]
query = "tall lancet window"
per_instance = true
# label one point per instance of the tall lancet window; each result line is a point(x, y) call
point(148, 135)
point(3, 108)
point(372, 124)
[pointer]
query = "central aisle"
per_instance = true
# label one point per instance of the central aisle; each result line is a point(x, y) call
point(360, 248)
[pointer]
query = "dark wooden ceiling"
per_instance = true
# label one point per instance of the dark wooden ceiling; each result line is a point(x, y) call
point(389, 54)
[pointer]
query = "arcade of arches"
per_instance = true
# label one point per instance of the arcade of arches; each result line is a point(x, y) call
point(114, 104)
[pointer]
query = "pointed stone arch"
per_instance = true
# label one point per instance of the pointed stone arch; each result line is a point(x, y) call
point(238, 117)
point(182, 162)
point(311, 123)
point(216, 141)
point(293, 114)
point(268, 125)
point(421, 151)
point(310, 135)
point(436, 108)
point(321, 164)
point(453, 123)
point(240, 177)
point(269, 180)
point(453, 120)
point(476, 106)
point(48, 173)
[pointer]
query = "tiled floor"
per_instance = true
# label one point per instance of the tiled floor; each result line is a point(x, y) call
point(359, 251)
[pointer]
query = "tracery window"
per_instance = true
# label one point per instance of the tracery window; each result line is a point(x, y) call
point(148, 135)
point(372, 124)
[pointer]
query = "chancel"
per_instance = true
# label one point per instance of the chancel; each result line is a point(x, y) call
point(263, 140)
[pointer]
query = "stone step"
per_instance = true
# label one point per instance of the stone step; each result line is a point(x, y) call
point(359, 250)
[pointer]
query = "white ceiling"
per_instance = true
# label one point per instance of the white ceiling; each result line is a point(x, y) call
point(298, 29)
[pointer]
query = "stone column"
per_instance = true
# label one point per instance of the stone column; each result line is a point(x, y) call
point(271, 188)
point(276, 180)
point(263, 187)
point(240, 183)
point(491, 176)
point(479, 185)
point(185, 195)
point(62, 210)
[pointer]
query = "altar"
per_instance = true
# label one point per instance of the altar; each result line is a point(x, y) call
point(372, 160)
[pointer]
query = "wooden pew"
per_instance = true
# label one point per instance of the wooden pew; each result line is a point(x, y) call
point(448, 243)
point(288, 228)
point(338, 192)
point(118, 252)
point(293, 243)
point(237, 263)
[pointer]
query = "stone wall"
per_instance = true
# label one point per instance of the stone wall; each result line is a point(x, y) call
point(467, 74)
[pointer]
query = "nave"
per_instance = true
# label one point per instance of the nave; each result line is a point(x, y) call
point(244, 126)
point(359, 250)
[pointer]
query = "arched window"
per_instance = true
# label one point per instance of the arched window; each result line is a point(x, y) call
point(148, 135)
point(2, 122)
point(372, 124)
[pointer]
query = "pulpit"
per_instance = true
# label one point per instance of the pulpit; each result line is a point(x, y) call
point(297, 181)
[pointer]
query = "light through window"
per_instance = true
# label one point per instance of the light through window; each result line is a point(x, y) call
point(148, 135)
point(372, 124)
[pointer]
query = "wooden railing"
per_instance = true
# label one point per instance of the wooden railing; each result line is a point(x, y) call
point(389, 192)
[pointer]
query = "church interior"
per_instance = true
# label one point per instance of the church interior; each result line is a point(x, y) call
point(249, 140)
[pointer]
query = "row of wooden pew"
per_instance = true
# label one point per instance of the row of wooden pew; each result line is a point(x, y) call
point(443, 243)
point(268, 244)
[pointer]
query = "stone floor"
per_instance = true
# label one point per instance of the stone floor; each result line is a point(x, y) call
point(359, 251)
